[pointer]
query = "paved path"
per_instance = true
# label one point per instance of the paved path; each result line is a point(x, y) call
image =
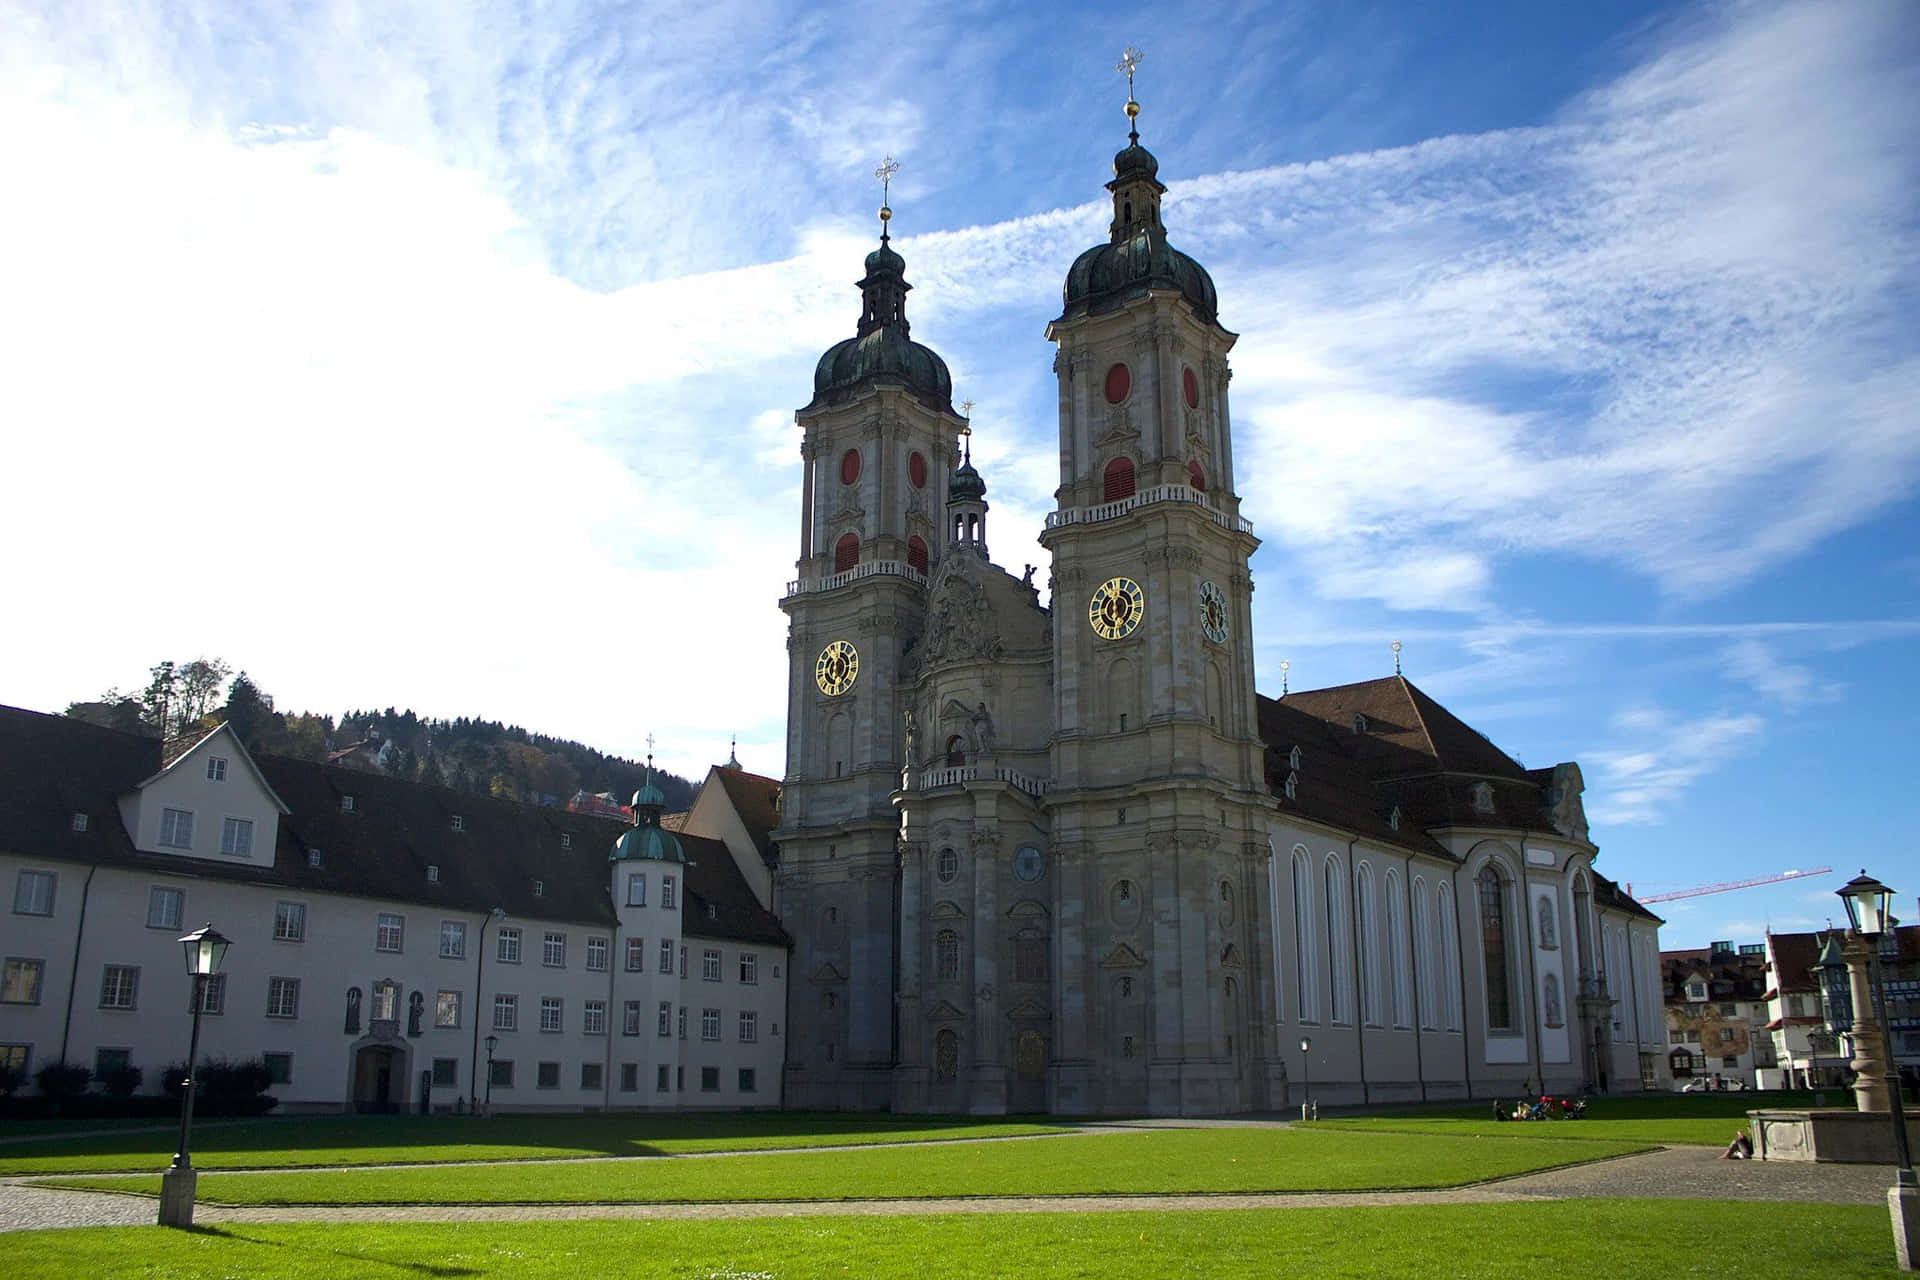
point(1694, 1173)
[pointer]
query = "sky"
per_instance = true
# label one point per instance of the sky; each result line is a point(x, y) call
point(446, 356)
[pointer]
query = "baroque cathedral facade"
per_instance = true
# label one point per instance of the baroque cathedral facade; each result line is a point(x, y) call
point(1064, 858)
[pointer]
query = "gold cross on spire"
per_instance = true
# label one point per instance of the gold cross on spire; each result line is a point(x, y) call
point(1130, 62)
point(888, 167)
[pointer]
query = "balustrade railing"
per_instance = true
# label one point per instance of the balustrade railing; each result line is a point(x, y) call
point(868, 569)
point(1147, 497)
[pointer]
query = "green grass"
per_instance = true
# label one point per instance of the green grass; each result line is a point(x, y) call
point(1694, 1119)
point(1619, 1239)
point(1145, 1162)
point(305, 1142)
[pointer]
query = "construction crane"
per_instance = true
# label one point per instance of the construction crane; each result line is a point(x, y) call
point(1702, 890)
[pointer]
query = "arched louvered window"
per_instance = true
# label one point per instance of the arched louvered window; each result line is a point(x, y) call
point(1117, 480)
point(946, 956)
point(1197, 476)
point(846, 552)
point(917, 551)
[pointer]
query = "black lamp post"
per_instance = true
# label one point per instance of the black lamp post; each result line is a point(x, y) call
point(205, 948)
point(492, 1041)
point(1306, 1076)
point(1868, 902)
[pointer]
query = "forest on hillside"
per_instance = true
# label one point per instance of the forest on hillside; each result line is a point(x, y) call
point(468, 754)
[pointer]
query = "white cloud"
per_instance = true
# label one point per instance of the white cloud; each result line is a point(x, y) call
point(1639, 783)
point(1790, 684)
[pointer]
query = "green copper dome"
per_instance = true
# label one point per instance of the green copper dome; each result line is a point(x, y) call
point(1136, 257)
point(966, 484)
point(649, 842)
point(881, 350)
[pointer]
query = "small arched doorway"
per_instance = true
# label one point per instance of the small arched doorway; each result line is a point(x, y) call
point(379, 1079)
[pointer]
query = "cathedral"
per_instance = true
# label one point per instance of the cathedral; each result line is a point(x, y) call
point(1064, 857)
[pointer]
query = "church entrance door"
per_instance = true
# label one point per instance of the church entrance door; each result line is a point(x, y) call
point(379, 1087)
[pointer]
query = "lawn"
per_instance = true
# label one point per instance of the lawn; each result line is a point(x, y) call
point(1140, 1162)
point(1694, 1119)
point(1620, 1239)
point(297, 1142)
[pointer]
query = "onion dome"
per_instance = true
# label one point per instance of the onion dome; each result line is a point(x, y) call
point(648, 839)
point(965, 485)
point(1136, 257)
point(880, 350)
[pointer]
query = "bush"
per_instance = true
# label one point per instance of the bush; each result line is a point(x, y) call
point(11, 1078)
point(62, 1080)
point(121, 1082)
point(223, 1088)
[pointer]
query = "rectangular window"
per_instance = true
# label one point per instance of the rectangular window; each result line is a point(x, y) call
point(1726, 1035)
point(636, 955)
point(508, 952)
point(213, 994)
point(552, 1013)
point(500, 1073)
point(666, 1011)
point(119, 986)
point(636, 890)
point(446, 1009)
point(390, 932)
point(593, 1018)
point(553, 951)
point(590, 1076)
point(680, 1022)
point(709, 1024)
point(709, 1079)
point(666, 893)
point(749, 968)
point(547, 1076)
point(660, 1078)
point(680, 1079)
point(596, 955)
point(80, 822)
point(16, 1058)
point(710, 965)
point(33, 893)
point(506, 1013)
point(283, 997)
point(629, 1077)
point(446, 1072)
point(630, 1018)
point(746, 1080)
point(666, 955)
point(176, 828)
point(458, 823)
point(683, 960)
point(453, 939)
point(20, 980)
point(346, 803)
point(105, 1060)
point(216, 769)
point(749, 1027)
point(165, 907)
point(279, 1067)
point(236, 837)
point(289, 922)
point(566, 839)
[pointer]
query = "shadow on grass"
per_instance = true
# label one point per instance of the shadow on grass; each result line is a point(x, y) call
point(419, 1268)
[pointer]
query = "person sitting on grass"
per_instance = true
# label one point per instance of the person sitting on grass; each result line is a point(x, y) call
point(1741, 1148)
point(1499, 1111)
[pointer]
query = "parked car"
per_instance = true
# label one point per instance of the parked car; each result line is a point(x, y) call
point(1713, 1084)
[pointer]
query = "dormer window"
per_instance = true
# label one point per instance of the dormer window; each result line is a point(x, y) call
point(1359, 723)
point(216, 768)
point(1393, 818)
point(347, 804)
point(80, 822)
point(1293, 759)
point(313, 857)
point(566, 839)
point(433, 874)
point(1293, 786)
point(459, 823)
point(539, 888)
point(1482, 793)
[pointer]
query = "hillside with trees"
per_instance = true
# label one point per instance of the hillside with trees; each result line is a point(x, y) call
point(481, 757)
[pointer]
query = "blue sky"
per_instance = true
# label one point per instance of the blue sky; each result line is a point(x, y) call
point(446, 355)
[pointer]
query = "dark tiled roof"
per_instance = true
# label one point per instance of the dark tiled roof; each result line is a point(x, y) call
point(1794, 955)
point(757, 800)
point(1608, 893)
point(52, 767)
point(1329, 785)
point(714, 881)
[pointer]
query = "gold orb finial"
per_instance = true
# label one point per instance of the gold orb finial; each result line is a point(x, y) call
point(1133, 109)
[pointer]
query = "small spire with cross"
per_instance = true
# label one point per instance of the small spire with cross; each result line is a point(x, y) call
point(1396, 657)
point(966, 430)
point(1285, 666)
point(888, 167)
point(1130, 61)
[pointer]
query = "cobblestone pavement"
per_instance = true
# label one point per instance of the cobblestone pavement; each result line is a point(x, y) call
point(1694, 1173)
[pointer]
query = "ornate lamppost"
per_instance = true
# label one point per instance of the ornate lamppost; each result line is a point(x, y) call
point(205, 948)
point(492, 1043)
point(1867, 904)
point(1306, 1076)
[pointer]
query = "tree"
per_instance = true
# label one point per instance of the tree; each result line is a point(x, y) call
point(196, 685)
point(113, 710)
point(157, 701)
point(249, 711)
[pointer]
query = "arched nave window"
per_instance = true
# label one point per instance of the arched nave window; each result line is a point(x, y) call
point(1304, 951)
point(1491, 891)
point(1426, 957)
point(1339, 945)
point(1366, 915)
point(1397, 959)
point(1446, 921)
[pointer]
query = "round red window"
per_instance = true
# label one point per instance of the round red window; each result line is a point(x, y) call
point(917, 471)
point(1119, 382)
point(849, 466)
point(1191, 385)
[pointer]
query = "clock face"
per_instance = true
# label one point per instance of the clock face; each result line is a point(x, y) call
point(1027, 863)
point(1116, 609)
point(837, 669)
point(1213, 612)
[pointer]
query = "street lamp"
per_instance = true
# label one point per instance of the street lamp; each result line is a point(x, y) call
point(492, 1042)
point(205, 948)
point(1306, 1076)
point(1867, 904)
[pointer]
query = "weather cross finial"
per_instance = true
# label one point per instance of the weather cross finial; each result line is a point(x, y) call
point(1285, 666)
point(1130, 62)
point(888, 167)
point(1396, 657)
point(966, 430)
